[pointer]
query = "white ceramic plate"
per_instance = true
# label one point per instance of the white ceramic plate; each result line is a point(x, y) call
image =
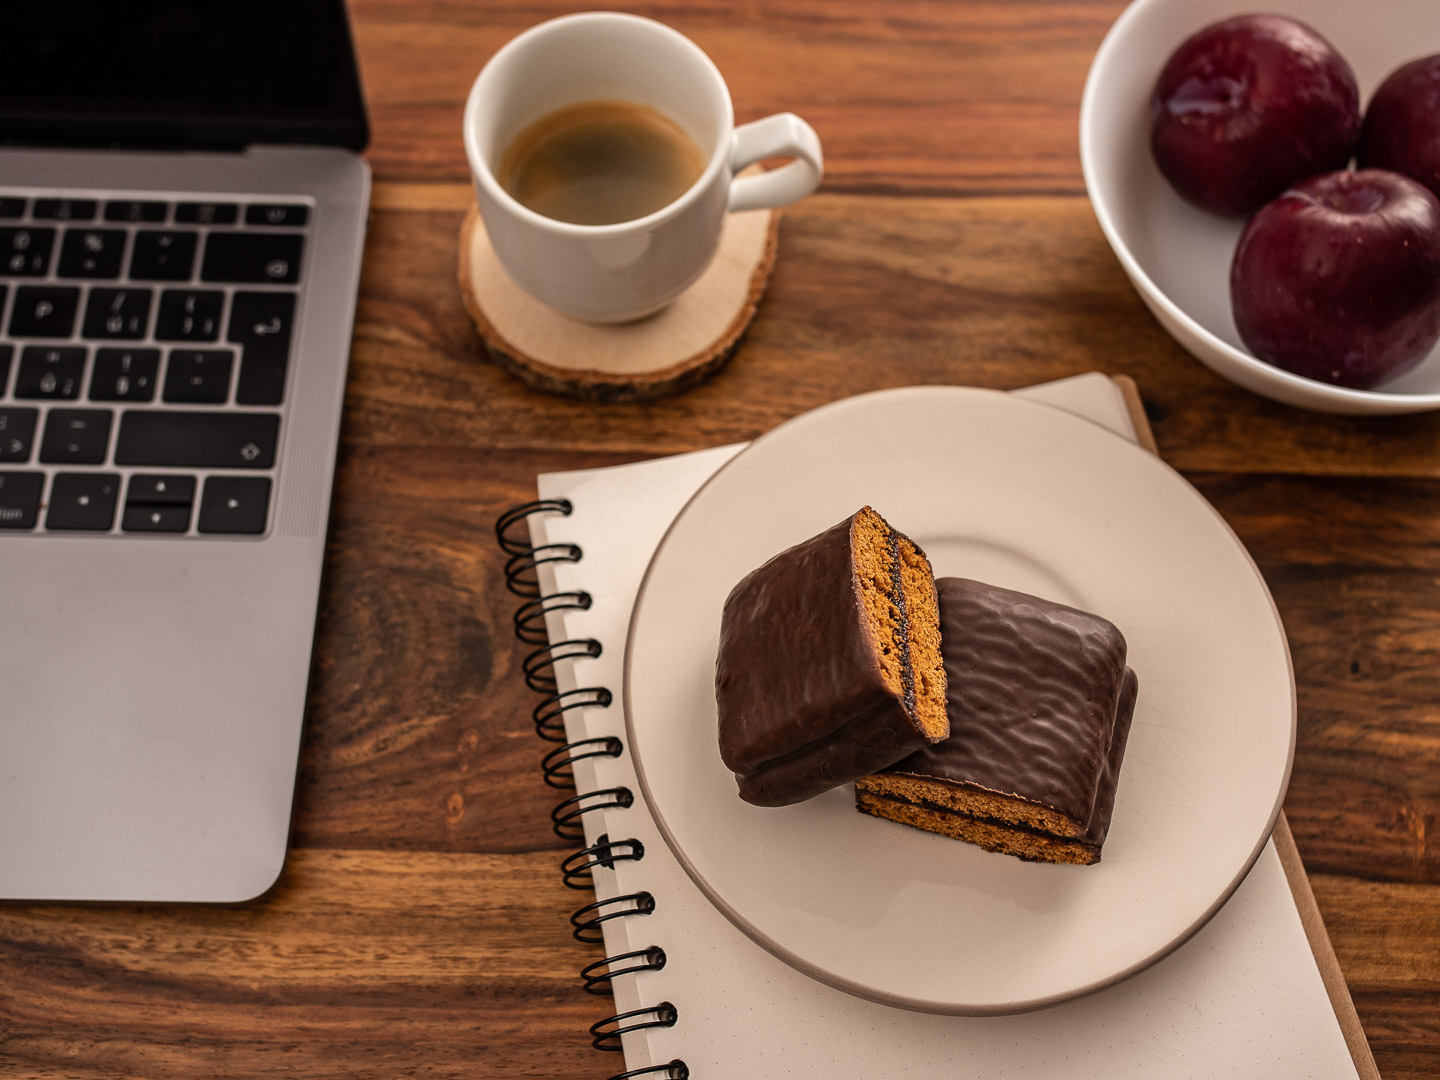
point(1024, 496)
point(1179, 257)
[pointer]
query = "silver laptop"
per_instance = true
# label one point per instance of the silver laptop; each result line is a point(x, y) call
point(182, 213)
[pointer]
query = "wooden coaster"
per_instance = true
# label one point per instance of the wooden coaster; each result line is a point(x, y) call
point(666, 353)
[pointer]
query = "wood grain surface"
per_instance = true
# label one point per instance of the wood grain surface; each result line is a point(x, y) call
point(419, 928)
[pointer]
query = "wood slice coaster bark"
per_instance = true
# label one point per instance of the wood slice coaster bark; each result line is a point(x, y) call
point(663, 354)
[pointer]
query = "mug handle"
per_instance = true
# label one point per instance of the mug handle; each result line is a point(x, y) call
point(781, 135)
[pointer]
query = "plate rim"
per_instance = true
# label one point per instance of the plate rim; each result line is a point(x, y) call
point(851, 986)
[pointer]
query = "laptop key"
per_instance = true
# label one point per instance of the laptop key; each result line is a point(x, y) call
point(124, 374)
point(135, 210)
point(206, 213)
point(199, 376)
point(83, 501)
point(165, 519)
point(65, 209)
point(17, 433)
point(246, 258)
point(151, 489)
point(163, 255)
point(12, 207)
point(20, 499)
point(238, 505)
point(277, 215)
point(6, 353)
point(25, 252)
point(50, 371)
point(92, 253)
point(262, 323)
point(166, 438)
point(158, 504)
point(117, 313)
point(44, 311)
point(75, 437)
point(189, 315)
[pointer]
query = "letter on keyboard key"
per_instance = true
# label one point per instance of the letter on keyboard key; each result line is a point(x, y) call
point(201, 440)
point(17, 433)
point(20, 499)
point(163, 255)
point(234, 504)
point(199, 376)
point(83, 501)
point(124, 374)
point(189, 315)
point(149, 489)
point(65, 209)
point(92, 253)
point(277, 214)
point(75, 437)
point(268, 258)
point(25, 252)
point(50, 372)
point(133, 210)
point(44, 311)
point(262, 322)
point(117, 313)
point(206, 213)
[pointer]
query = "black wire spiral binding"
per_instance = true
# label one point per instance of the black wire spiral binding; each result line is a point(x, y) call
point(557, 767)
point(565, 817)
point(520, 574)
point(558, 764)
point(664, 1015)
point(530, 616)
point(539, 666)
point(517, 514)
point(577, 867)
point(588, 919)
point(674, 1070)
point(549, 715)
point(597, 976)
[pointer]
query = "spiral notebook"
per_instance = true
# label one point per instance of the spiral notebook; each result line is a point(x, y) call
point(1250, 995)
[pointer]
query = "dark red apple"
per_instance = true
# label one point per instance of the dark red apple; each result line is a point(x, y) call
point(1339, 278)
point(1249, 106)
point(1402, 124)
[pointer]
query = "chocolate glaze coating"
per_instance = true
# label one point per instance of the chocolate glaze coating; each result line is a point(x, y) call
point(803, 705)
point(1099, 825)
point(1033, 694)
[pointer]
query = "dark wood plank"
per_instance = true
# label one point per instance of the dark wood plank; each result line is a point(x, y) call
point(913, 96)
point(419, 734)
point(363, 964)
point(868, 293)
point(1354, 565)
point(1384, 936)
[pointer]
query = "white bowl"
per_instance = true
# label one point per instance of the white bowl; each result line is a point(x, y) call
point(1177, 256)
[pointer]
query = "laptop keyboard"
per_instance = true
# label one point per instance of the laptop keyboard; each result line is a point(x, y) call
point(144, 349)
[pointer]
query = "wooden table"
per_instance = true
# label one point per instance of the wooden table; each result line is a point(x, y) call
point(420, 927)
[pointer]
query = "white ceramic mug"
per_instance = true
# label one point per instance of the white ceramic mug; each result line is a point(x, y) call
point(615, 273)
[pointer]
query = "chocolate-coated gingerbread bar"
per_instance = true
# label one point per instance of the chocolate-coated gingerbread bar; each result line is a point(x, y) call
point(829, 664)
point(1040, 703)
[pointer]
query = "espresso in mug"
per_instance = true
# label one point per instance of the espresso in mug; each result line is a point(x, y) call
point(600, 163)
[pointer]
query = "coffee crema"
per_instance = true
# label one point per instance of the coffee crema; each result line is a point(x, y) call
point(600, 163)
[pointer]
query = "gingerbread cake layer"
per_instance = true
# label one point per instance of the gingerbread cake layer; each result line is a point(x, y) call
point(1040, 702)
point(829, 665)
